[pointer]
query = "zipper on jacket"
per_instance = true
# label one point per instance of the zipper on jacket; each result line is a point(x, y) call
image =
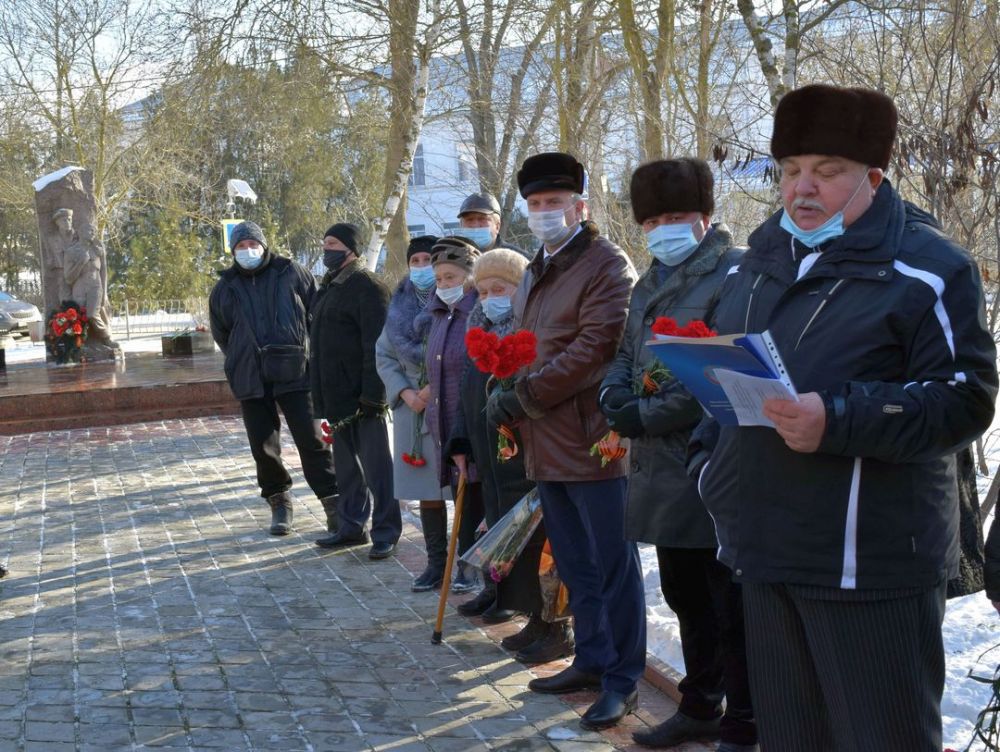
point(753, 288)
point(819, 308)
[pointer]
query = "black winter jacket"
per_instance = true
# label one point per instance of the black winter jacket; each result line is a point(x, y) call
point(270, 307)
point(663, 504)
point(348, 314)
point(889, 327)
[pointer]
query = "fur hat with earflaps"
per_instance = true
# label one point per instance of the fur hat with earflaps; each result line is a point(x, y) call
point(857, 124)
point(551, 170)
point(672, 185)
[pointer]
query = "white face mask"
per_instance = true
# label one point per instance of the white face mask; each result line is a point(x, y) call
point(249, 258)
point(451, 295)
point(549, 226)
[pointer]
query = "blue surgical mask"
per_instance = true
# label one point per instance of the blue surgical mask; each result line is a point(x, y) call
point(451, 295)
point(671, 244)
point(497, 308)
point(481, 236)
point(832, 228)
point(422, 277)
point(249, 258)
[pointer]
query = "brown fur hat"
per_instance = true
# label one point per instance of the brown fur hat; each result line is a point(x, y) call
point(551, 170)
point(858, 124)
point(672, 185)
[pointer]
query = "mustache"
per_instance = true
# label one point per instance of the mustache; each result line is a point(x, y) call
point(807, 203)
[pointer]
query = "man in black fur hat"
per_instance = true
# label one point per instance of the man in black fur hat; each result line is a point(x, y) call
point(574, 297)
point(673, 201)
point(842, 520)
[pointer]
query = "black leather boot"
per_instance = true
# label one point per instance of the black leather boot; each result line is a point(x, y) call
point(281, 513)
point(554, 643)
point(330, 504)
point(534, 629)
point(434, 522)
point(481, 602)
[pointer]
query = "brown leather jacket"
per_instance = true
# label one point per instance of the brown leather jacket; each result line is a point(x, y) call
point(576, 306)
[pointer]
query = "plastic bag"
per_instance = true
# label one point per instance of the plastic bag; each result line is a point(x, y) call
point(499, 548)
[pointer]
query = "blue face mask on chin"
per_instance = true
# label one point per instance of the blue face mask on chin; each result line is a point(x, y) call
point(422, 277)
point(671, 244)
point(481, 236)
point(497, 308)
point(832, 228)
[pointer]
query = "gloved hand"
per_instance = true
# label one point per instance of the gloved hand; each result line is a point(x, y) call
point(625, 419)
point(614, 397)
point(504, 408)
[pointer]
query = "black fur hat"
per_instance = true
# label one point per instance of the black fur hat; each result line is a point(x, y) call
point(672, 185)
point(858, 124)
point(551, 170)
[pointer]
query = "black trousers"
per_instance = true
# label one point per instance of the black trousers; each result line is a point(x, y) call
point(846, 670)
point(263, 426)
point(709, 607)
point(364, 470)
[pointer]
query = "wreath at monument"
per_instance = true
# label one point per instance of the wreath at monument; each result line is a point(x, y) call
point(66, 331)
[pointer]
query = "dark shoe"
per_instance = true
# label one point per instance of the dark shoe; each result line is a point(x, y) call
point(382, 550)
point(609, 709)
point(475, 607)
point(330, 505)
point(733, 747)
point(556, 642)
point(465, 579)
point(281, 513)
point(534, 629)
point(676, 730)
point(342, 540)
point(430, 579)
point(570, 679)
point(494, 615)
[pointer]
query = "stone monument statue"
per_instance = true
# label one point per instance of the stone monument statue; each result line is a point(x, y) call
point(73, 259)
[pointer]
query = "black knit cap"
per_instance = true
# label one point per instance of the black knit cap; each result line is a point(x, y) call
point(456, 250)
point(672, 185)
point(857, 124)
point(246, 231)
point(420, 244)
point(552, 170)
point(346, 233)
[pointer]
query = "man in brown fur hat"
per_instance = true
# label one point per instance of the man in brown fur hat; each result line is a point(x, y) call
point(841, 521)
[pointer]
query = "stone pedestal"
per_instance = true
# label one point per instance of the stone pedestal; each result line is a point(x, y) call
point(186, 343)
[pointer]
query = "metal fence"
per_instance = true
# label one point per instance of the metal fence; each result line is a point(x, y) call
point(132, 318)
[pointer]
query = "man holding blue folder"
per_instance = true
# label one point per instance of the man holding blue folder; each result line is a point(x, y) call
point(842, 521)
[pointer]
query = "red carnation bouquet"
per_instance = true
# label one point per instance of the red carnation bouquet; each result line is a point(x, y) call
point(502, 358)
point(66, 332)
point(650, 381)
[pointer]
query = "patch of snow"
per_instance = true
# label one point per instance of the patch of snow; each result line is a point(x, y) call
point(53, 177)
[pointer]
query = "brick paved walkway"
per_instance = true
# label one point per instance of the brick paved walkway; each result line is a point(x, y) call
point(147, 607)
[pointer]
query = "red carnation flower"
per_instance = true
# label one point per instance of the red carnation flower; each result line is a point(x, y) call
point(695, 329)
point(665, 325)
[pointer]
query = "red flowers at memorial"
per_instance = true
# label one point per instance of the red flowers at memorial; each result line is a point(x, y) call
point(502, 359)
point(65, 333)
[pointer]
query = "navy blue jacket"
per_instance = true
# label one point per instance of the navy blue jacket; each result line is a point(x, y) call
point(270, 306)
point(889, 327)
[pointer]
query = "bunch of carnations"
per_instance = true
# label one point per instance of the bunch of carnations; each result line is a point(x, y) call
point(326, 432)
point(502, 358)
point(66, 332)
point(415, 457)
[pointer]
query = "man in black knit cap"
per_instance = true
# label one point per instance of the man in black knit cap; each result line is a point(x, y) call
point(258, 316)
point(348, 314)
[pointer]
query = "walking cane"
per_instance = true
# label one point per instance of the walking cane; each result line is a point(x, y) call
point(452, 545)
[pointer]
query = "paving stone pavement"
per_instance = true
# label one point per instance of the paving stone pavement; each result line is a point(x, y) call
point(146, 607)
